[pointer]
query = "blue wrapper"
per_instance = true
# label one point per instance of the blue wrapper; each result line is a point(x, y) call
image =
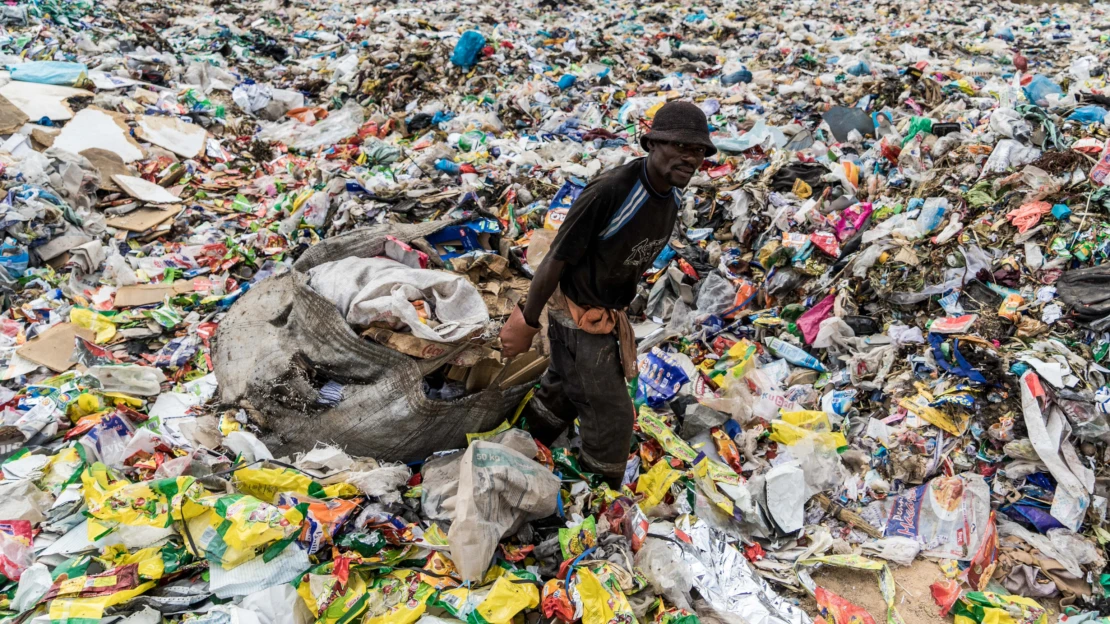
point(660, 377)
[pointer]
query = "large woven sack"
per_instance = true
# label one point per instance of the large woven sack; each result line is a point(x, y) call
point(282, 343)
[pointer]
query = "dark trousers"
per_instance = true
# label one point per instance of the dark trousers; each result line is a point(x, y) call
point(585, 380)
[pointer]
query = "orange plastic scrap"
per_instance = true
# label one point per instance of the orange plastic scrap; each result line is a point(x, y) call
point(841, 611)
point(945, 594)
point(308, 114)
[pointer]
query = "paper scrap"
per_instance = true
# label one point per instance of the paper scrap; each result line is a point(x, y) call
point(93, 127)
point(184, 139)
point(146, 191)
point(42, 100)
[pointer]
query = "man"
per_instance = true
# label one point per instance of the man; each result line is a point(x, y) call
point(611, 235)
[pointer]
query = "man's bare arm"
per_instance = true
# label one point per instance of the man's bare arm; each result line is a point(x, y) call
point(543, 286)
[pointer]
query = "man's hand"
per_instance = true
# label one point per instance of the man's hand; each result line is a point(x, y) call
point(517, 334)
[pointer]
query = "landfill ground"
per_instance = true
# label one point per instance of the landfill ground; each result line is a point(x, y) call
point(915, 602)
point(257, 258)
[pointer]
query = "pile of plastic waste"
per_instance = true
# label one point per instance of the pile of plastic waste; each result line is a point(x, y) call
point(873, 356)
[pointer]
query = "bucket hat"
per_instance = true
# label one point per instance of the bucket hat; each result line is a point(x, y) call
point(680, 122)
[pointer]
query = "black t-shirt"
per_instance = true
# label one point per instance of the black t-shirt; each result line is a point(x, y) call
point(612, 234)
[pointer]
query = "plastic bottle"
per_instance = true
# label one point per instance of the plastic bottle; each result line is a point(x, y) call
point(447, 166)
point(932, 214)
point(793, 354)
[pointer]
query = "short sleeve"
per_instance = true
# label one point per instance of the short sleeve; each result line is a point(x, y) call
point(585, 220)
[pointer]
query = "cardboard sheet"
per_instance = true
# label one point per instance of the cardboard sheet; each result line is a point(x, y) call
point(108, 163)
point(144, 219)
point(12, 117)
point(425, 349)
point(54, 348)
point(149, 294)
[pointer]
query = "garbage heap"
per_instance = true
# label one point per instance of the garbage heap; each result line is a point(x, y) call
point(876, 342)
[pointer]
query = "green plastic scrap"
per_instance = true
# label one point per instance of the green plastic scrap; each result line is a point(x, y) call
point(917, 126)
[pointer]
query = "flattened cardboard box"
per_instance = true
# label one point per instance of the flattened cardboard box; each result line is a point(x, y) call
point(144, 219)
point(149, 294)
point(425, 349)
point(54, 348)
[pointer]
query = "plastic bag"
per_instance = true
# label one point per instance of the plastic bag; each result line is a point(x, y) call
point(508, 597)
point(399, 598)
point(129, 378)
point(658, 562)
point(900, 550)
point(322, 518)
point(716, 295)
point(932, 214)
point(838, 609)
point(1010, 124)
point(938, 514)
point(945, 594)
point(466, 51)
point(329, 600)
point(85, 598)
point(599, 604)
point(154, 503)
point(1072, 498)
point(339, 125)
point(49, 72)
point(556, 602)
point(987, 608)
point(1089, 114)
point(810, 321)
point(653, 425)
point(499, 489)
point(855, 562)
point(16, 552)
point(576, 540)
point(655, 483)
point(1039, 88)
point(235, 527)
point(793, 427)
point(33, 584)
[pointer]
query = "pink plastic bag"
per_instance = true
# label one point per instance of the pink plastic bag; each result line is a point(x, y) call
point(16, 552)
point(851, 219)
point(810, 322)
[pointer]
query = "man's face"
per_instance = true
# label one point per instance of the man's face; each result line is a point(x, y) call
point(677, 161)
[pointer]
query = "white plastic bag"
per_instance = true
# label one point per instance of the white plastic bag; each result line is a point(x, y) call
point(716, 295)
point(338, 126)
point(129, 379)
point(499, 489)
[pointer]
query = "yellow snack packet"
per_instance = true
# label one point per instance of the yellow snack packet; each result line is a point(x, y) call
point(266, 483)
point(507, 598)
point(593, 597)
point(154, 503)
point(105, 329)
point(655, 483)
